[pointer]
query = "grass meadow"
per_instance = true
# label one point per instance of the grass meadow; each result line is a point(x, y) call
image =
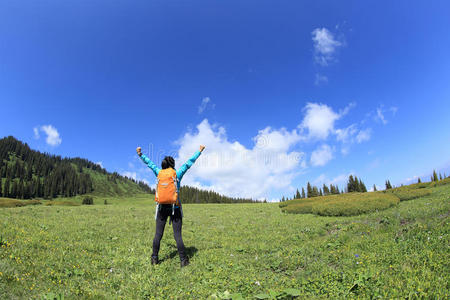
point(236, 251)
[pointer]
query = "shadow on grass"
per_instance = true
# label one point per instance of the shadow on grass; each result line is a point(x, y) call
point(190, 252)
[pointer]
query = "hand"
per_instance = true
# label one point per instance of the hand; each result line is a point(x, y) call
point(138, 150)
point(202, 148)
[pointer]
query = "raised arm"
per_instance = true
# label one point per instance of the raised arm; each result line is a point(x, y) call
point(148, 162)
point(181, 171)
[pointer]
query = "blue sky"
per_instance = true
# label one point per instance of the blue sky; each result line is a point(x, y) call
point(280, 94)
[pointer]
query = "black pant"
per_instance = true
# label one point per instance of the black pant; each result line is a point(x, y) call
point(177, 223)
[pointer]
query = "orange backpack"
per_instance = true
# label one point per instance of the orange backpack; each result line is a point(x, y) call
point(166, 187)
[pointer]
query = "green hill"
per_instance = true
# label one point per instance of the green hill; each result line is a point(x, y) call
point(355, 203)
point(26, 174)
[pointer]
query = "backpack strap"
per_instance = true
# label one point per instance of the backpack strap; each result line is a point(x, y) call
point(156, 190)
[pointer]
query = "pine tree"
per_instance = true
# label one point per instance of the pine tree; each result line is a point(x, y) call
point(297, 195)
point(418, 180)
point(315, 191)
point(303, 193)
point(309, 190)
point(20, 190)
point(332, 189)
point(440, 176)
point(320, 192)
point(350, 184)
point(326, 190)
point(362, 187)
point(374, 188)
point(14, 190)
point(6, 187)
point(435, 176)
point(388, 185)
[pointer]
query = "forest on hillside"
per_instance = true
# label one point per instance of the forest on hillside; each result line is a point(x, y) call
point(26, 173)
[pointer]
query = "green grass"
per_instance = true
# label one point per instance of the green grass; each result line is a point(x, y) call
point(349, 204)
point(408, 194)
point(103, 251)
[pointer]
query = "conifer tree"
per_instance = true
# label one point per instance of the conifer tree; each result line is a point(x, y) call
point(374, 188)
point(297, 195)
point(362, 187)
point(418, 180)
point(388, 185)
point(309, 190)
point(440, 176)
point(326, 190)
point(350, 184)
point(6, 188)
point(303, 193)
point(315, 191)
point(435, 177)
point(332, 189)
point(320, 192)
point(14, 189)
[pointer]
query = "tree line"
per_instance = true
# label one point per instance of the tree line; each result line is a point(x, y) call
point(354, 184)
point(26, 173)
point(190, 194)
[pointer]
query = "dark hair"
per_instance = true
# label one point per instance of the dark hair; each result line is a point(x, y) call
point(168, 162)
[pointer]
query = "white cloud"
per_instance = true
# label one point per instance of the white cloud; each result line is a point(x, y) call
point(393, 110)
point(272, 140)
point(380, 116)
point(321, 156)
point(319, 120)
point(325, 45)
point(339, 180)
point(320, 79)
point(232, 169)
point(345, 135)
point(346, 109)
point(129, 174)
point(363, 135)
point(36, 133)
point(53, 137)
point(204, 104)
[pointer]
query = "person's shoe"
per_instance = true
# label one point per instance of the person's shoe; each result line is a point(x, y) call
point(155, 261)
point(184, 262)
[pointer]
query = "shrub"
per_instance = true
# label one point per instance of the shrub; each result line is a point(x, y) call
point(61, 203)
point(88, 200)
point(348, 204)
point(6, 202)
point(405, 194)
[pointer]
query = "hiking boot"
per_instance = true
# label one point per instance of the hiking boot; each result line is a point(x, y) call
point(155, 261)
point(184, 262)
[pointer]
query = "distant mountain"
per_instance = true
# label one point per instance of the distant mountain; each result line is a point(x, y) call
point(26, 173)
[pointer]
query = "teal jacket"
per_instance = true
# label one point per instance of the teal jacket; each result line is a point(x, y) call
point(180, 172)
